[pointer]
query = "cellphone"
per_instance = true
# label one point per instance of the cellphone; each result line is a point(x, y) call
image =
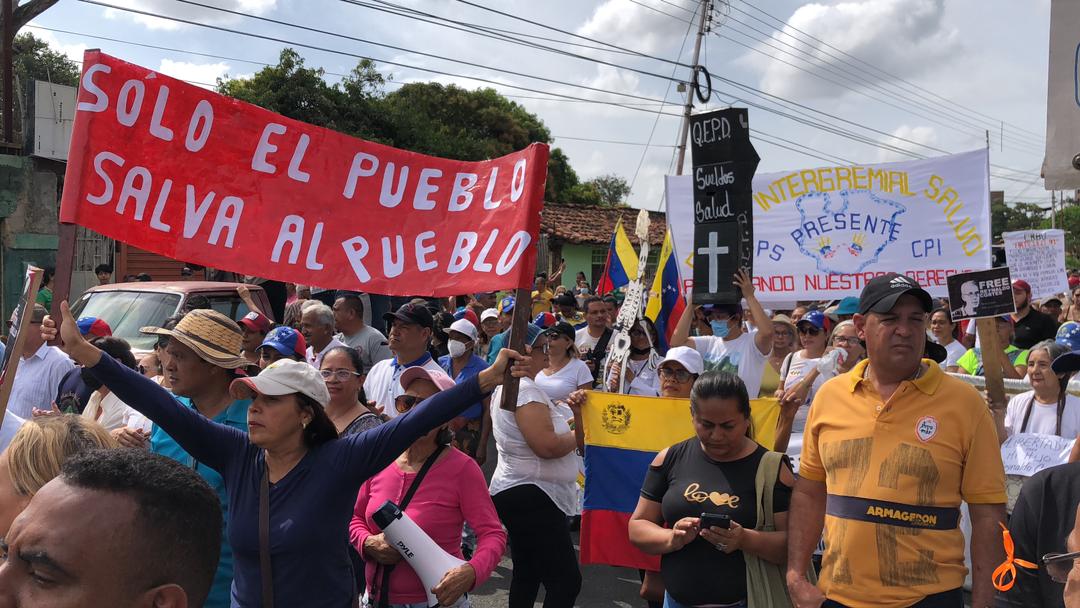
point(709, 520)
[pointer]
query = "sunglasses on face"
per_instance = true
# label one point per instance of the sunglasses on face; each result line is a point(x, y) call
point(809, 330)
point(341, 375)
point(679, 375)
point(1058, 565)
point(404, 403)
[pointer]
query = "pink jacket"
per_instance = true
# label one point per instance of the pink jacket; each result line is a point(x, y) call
point(453, 492)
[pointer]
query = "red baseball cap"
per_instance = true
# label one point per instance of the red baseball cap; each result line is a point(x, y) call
point(256, 321)
point(1074, 282)
point(1021, 284)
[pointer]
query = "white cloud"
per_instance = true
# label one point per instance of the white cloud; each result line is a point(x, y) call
point(186, 11)
point(917, 134)
point(902, 37)
point(633, 26)
point(203, 74)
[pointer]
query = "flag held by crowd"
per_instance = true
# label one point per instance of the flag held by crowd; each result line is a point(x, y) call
point(623, 433)
point(622, 262)
point(666, 303)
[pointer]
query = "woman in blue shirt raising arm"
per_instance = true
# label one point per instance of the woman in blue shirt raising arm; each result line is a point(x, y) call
point(313, 477)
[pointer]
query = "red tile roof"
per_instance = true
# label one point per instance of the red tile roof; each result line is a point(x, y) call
point(592, 224)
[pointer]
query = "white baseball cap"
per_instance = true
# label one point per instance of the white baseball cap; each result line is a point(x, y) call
point(490, 313)
point(283, 377)
point(464, 326)
point(687, 357)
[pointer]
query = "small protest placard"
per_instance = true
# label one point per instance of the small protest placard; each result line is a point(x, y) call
point(983, 293)
point(1038, 257)
point(724, 162)
point(1028, 453)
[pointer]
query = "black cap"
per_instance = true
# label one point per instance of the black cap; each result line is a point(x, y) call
point(1067, 363)
point(565, 299)
point(563, 328)
point(881, 293)
point(412, 313)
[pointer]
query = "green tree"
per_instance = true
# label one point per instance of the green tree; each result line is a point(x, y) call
point(561, 178)
point(1006, 217)
point(612, 189)
point(35, 60)
point(1068, 219)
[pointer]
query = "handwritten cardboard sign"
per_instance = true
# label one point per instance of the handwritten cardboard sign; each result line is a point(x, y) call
point(1028, 453)
point(196, 176)
point(1038, 257)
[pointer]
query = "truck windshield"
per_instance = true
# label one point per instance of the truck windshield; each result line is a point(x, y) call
point(127, 311)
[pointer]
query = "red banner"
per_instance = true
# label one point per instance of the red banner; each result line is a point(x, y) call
point(203, 178)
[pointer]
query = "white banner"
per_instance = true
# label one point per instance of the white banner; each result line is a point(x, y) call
point(1028, 453)
point(823, 233)
point(1038, 257)
point(1063, 97)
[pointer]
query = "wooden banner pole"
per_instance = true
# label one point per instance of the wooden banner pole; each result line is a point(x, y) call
point(518, 329)
point(991, 360)
point(65, 265)
point(7, 382)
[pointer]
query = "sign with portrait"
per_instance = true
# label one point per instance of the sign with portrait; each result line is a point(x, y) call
point(984, 293)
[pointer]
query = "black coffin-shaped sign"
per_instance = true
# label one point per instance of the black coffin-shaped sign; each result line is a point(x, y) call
point(724, 162)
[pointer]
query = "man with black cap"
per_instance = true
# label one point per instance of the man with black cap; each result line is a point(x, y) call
point(410, 332)
point(890, 451)
point(567, 310)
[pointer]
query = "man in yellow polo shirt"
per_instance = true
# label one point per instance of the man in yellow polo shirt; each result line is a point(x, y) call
point(891, 449)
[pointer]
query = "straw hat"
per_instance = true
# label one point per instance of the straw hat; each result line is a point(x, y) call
point(217, 339)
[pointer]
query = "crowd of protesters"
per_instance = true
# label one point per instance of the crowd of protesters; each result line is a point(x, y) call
point(244, 421)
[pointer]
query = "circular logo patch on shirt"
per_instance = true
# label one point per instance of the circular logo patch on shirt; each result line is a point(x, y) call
point(926, 428)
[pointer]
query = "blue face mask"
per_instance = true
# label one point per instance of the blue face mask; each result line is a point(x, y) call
point(720, 329)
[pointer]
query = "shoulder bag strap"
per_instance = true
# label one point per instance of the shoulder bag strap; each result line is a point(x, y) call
point(384, 585)
point(265, 564)
point(767, 474)
point(785, 367)
point(1027, 414)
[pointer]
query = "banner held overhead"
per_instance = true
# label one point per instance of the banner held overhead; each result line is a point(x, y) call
point(822, 233)
point(199, 177)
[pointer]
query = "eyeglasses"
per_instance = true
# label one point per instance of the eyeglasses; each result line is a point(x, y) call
point(404, 403)
point(783, 333)
point(809, 330)
point(341, 375)
point(1058, 565)
point(842, 340)
point(680, 375)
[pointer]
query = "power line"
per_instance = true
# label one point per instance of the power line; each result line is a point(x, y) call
point(394, 63)
point(783, 23)
point(656, 10)
point(616, 142)
point(848, 76)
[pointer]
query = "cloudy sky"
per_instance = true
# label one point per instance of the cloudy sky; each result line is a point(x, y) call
point(873, 78)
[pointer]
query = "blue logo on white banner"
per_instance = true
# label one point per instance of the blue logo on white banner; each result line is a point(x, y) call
point(845, 231)
point(823, 233)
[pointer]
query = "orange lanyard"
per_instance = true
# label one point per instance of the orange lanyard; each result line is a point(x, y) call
point(1005, 574)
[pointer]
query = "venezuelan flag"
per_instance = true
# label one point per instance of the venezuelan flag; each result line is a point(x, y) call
point(666, 302)
point(623, 433)
point(622, 262)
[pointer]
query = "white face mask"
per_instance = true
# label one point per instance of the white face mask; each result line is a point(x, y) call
point(456, 348)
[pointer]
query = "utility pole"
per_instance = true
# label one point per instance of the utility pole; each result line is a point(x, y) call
point(1053, 210)
point(7, 30)
point(706, 10)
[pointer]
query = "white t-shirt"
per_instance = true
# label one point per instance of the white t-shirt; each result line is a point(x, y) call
point(370, 343)
point(559, 385)
point(383, 383)
point(109, 411)
point(584, 341)
point(739, 356)
point(1043, 416)
point(646, 380)
point(315, 358)
point(518, 465)
point(955, 350)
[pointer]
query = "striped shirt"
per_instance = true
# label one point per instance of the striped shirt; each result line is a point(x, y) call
point(37, 379)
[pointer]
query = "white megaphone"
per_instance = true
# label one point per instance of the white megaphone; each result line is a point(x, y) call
point(425, 557)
